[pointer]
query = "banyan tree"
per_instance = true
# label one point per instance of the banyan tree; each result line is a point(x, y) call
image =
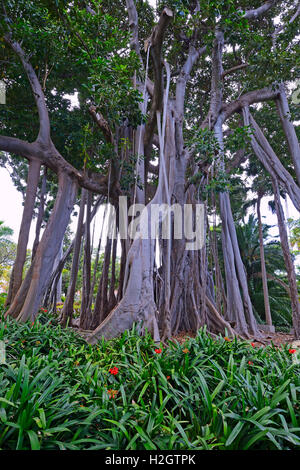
point(172, 99)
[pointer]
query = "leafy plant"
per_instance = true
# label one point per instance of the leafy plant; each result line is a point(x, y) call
point(57, 392)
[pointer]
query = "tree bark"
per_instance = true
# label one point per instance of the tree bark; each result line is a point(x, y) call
point(67, 311)
point(17, 272)
point(263, 265)
point(39, 273)
point(40, 214)
point(86, 281)
point(289, 129)
point(288, 260)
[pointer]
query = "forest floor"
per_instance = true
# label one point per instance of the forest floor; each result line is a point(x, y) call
point(278, 338)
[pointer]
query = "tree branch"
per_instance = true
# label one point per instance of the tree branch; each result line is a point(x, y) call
point(134, 27)
point(255, 96)
point(282, 27)
point(102, 124)
point(234, 69)
point(19, 147)
point(155, 42)
point(255, 13)
point(44, 131)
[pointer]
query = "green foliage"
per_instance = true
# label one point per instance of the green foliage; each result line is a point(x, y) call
point(294, 226)
point(5, 232)
point(204, 143)
point(3, 296)
point(206, 394)
point(238, 139)
point(8, 249)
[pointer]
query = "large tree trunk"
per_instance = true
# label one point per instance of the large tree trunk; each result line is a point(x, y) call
point(137, 304)
point(263, 265)
point(288, 260)
point(38, 276)
point(239, 307)
point(17, 272)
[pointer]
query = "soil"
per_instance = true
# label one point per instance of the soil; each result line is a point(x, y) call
point(278, 339)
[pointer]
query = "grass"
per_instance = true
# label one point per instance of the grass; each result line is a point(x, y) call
point(56, 392)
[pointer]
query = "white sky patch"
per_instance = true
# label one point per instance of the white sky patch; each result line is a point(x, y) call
point(74, 100)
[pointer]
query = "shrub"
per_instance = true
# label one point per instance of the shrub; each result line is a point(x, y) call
point(57, 392)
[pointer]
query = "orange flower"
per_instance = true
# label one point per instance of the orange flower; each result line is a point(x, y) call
point(168, 377)
point(292, 351)
point(112, 393)
point(76, 363)
point(185, 351)
point(227, 339)
point(158, 351)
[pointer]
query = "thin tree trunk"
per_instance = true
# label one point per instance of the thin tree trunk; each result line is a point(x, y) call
point(86, 281)
point(17, 272)
point(56, 275)
point(67, 311)
point(263, 266)
point(101, 304)
point(111, 296)
point(40, 214)
point(288, 260)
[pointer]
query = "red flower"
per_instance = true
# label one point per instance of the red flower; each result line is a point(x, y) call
point(5, 326)
point(253, 345)
point(168, 377)
point(250, 363)
point(114, 370)
point(158, 351)
point(32, 323)
point(292, 351)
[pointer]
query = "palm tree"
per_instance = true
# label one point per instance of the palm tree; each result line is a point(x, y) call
point(5, 232)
